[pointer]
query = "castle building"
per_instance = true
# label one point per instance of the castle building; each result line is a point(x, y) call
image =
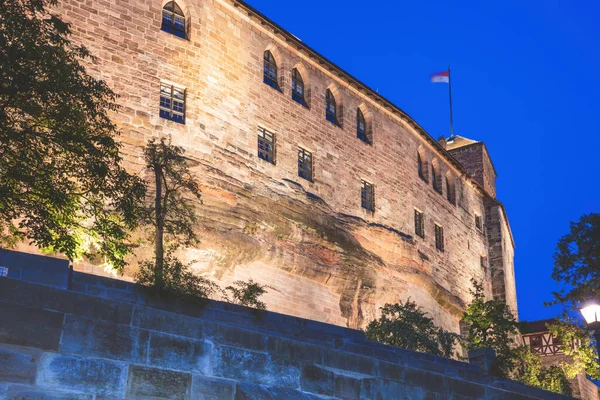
point(312, 182)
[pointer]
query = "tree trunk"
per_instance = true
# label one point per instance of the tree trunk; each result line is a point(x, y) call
point(160, 226)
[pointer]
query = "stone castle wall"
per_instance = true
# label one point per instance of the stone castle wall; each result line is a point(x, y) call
point(61, 344)
point(329, 259)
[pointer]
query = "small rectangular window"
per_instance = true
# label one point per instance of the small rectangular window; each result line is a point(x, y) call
point(439, 237)
point(305, 164)
point(479, 222)
point(367, 196)
point(419, 224)
point(483, 261)
point(266, 145)
point(172, 103)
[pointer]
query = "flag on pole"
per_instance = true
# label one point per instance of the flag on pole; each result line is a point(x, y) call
point(441, 77)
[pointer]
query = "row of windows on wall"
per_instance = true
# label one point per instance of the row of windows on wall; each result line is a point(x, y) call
point(271, 78)
point(266, 151)
point(420, 230)
point(172, 107)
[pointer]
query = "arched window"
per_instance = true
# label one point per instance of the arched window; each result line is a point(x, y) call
point(361, 126)
point(450, 190)
point(298, 87)
point(421, 167)
point(436, 179)
point(331, 108)
point(270, 70)
point(173, 20)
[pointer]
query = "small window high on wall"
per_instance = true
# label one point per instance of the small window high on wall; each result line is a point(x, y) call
point(270, 70)
point(172, 103)
point(361, 127)
point(367, 196)
point(331, 110)
point(173, 20)
point(298, 87)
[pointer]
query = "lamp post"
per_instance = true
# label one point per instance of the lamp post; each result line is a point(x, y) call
point(591, 314)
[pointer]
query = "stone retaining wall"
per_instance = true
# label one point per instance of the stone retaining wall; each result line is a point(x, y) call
point(63, 344)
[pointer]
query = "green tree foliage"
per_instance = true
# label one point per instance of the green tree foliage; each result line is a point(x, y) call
point(247, 294)
point(407, 326)
point(528, 369)
point(491, 325)
point(578, 343)
point(178, 280)
point(61, 182)
point(577, 262)
point(169, 209)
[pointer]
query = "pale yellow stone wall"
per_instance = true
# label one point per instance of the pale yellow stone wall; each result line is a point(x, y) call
point(329, 259)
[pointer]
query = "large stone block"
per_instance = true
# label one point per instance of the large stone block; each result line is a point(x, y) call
point(88, 375)
point(317, 380)
point(49, 298)
point(25, 326)
point(254, 367)
point(425, 379)
point(204, 388)
point(256, 392)
point(168, 322)
point(98, 338)
point(36, 268)
point(236, 337)
point(464, 388)
point(152, 383)
point(18, 364)
point(179, 353)
point(35, 393)
point(350, 362)
point(294, 350)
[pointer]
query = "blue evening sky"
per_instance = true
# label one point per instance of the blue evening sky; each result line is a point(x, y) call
point(526, 81)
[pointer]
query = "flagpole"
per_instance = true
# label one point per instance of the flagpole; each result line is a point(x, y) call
point(450, 95)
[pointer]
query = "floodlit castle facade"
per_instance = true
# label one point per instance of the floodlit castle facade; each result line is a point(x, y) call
point(312, 182)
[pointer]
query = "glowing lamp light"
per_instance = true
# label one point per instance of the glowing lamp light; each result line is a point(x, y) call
point(591, 313)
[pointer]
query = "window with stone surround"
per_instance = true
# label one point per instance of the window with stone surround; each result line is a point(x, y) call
point(439, 237)
point(419, 224)
point(479, 222)
point(172, 103)
point(450, 189)
point(367, 196)
point(270, 70)
point(305, 164)
point(483, 261)
point(298, 88)
point(266, 145)
point(436, 178)
point(421, 167)
point(331, 108)
point(361, 126)
point(173, 20)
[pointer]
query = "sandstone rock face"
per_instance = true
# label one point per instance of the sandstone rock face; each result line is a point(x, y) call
point(327, 257)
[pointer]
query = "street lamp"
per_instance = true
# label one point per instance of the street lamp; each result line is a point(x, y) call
point(591, 314)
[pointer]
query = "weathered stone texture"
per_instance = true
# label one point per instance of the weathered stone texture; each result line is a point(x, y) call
point(328, 258)
point(101, 360)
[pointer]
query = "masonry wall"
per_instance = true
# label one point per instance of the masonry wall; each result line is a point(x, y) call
point(329, 259)
point(61, 344)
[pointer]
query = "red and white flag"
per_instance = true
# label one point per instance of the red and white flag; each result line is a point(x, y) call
point(441, 77)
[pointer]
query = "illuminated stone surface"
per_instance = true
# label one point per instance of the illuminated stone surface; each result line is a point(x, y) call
point(327, 258)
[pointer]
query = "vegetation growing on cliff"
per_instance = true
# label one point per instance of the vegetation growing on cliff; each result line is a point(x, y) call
point(62, 186)
point(170, 211)
point(406, 325)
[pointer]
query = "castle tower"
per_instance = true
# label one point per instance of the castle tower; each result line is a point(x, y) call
point(475, 158)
